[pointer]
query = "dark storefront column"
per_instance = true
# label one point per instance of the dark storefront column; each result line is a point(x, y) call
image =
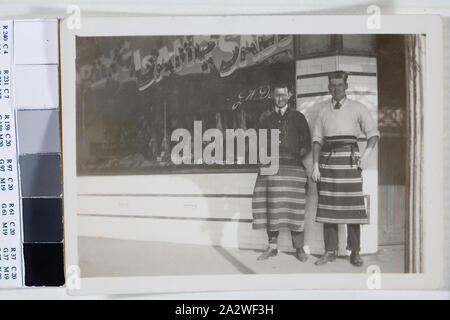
point(316, 57)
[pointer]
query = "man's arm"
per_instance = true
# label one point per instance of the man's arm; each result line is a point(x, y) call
point(369, 127)
point(305, 135)
point(316, 172)
point(261, 124)
point(371, 143)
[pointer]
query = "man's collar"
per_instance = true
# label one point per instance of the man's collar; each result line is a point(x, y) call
point(342, 101)
point(283, 110)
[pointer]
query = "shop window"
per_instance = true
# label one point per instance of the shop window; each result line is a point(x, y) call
point(128, 109)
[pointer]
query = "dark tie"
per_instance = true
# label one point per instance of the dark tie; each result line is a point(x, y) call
point(337, 105)
point(279, 113)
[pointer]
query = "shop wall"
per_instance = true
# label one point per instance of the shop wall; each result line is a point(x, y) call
point(205, 209)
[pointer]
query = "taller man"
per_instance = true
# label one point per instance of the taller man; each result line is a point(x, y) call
point(279, 200)
point(337, 167)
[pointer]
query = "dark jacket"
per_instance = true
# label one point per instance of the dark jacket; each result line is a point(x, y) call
point(294, 134)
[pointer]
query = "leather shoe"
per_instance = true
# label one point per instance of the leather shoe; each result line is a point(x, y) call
point(355, 259)
point(328, 256)
point(301, 255)
point(269, 252)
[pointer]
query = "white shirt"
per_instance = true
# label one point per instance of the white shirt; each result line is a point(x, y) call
point(351, 119)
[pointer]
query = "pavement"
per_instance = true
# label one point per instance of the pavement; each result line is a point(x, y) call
point(102, 257)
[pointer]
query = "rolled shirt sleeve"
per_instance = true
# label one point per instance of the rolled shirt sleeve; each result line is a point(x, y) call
point(368, 124)
point(318, 131)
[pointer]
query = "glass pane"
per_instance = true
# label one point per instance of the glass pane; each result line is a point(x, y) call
point(358, 43)
point(315, 44)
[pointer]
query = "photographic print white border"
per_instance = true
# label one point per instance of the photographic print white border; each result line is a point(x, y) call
point(433, 226)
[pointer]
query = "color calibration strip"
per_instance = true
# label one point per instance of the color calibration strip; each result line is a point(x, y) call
point(36, 103)
point(30, 156)
point(11, 275)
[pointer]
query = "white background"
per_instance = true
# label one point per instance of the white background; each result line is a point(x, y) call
point(50, 9)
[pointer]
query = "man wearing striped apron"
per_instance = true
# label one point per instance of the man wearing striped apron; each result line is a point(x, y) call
point(279, 199)
point(337, 167)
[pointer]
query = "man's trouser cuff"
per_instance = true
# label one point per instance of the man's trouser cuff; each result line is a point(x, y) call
point(330, 236)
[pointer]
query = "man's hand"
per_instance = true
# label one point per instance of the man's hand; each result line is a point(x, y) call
point(363, 162)
point(315, 176)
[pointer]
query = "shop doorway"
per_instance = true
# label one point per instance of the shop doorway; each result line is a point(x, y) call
point(392, 153)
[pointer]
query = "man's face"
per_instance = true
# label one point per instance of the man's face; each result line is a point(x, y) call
point(337, 88)
point(281, 97)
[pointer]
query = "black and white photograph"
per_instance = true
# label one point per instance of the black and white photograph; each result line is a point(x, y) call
point(239, 153)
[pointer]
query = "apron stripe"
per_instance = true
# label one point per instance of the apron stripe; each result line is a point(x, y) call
point(340, 194)
point(349, 173)
point(334, 207)
point(342, 201)
point(340, 187)
point(334, 179)
point(336, 166)
point(285, 201)
point(257, 212)
point(348, 220)
point(281, 215)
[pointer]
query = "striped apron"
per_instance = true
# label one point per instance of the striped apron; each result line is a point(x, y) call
point(341, 199)
point(279, 200)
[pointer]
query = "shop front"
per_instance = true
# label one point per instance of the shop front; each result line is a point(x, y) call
point(137, 91)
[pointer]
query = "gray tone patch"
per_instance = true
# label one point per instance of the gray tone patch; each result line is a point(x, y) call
point(40, 175)
point(38, 131)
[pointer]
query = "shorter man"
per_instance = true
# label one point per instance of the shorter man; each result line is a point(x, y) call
point(337, 167)
point(279, 200)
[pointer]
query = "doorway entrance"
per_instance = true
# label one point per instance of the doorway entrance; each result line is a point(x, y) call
point(392, 153)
